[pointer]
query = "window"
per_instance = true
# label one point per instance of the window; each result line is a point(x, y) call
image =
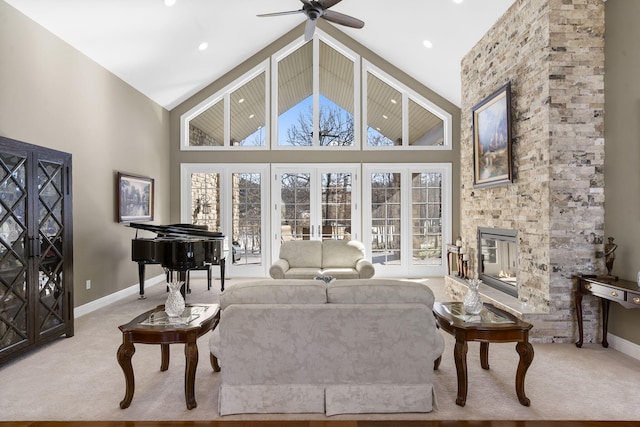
point(315, 94)
point(396, 116)
point(409, 218)
point(233, 118)
point(314, 91)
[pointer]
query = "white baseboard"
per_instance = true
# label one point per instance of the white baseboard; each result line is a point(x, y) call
point(116, 296)
point(624, 346)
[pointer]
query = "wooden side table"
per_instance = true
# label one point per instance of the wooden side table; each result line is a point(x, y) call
point(492, 325)
point(154, 327)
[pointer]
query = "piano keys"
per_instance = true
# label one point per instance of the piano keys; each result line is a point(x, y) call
point(178, 248)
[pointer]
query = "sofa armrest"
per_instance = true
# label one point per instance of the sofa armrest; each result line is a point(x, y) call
point(278, 269)
point(365, 269)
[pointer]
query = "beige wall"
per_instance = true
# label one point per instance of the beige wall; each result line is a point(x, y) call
point(622, 151)
point(54, 96)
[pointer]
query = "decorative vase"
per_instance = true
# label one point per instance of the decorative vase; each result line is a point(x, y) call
point(175, 302)
point(472, 302)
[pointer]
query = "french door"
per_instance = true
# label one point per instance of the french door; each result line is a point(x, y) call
point(231, 199)
point(314, 202)
point(407, 218)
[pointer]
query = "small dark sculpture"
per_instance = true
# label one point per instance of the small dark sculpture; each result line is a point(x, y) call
point(610, 255)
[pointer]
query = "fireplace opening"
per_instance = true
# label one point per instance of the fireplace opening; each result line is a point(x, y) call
point(498, 259)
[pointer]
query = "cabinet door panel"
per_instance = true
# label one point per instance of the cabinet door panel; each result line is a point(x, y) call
point(14, 298)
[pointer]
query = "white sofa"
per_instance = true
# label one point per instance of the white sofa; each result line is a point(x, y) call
point(306, 259)
point(302, 346)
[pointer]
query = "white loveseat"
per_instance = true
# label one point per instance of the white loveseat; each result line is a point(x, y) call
point(306, 259)
point(302, 346)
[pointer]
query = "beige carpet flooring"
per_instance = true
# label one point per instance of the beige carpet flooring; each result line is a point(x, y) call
point(79, 378)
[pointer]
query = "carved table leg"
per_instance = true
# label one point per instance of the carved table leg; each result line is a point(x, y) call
point(164, 351)
point(214, 362)
point(605, 321)
point(191, 355)
point(460, 356)
point(578, 300)
point(125, 352)
point(484, 355)
point(525, 350)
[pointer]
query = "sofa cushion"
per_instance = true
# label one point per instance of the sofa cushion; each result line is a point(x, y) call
point(341, 273)
point(302, 273)
point(379, 291)
point(341, 253)
point(307, 291)
point(302, 253)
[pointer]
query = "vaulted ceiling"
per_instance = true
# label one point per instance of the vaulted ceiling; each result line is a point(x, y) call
point(154, 48)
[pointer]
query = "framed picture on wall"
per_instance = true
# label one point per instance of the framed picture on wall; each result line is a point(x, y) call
point(135, 198)
point(492, 139)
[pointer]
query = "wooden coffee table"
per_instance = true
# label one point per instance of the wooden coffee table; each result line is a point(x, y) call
point(491, 325)
point(154, 327)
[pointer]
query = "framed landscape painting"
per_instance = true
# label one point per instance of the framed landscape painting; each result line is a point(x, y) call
point(135, 198)
point(492, 139)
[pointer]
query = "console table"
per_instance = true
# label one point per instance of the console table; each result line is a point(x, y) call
point(623, 292)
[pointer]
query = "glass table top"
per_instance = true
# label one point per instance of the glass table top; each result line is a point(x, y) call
point(160, 318)
point(456, 310)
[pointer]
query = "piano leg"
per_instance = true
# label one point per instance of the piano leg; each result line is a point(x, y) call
point(141, 278)
point(222, 264)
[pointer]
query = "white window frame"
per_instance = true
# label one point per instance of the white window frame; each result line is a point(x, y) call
point(318, 36)
point(405, 269)
point(226, 201)
point(407, 93)
point(224, 95)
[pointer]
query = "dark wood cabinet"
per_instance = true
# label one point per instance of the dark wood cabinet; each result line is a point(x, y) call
point(36, 247)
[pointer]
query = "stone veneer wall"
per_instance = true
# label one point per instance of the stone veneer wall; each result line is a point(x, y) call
point(552, 51)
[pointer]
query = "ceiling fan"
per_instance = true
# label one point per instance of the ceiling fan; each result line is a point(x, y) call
point(319, 9)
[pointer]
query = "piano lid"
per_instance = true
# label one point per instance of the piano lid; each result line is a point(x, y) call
point(179, 230)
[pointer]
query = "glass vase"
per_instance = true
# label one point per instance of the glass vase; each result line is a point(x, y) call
point(472, 302)
point(174, 306)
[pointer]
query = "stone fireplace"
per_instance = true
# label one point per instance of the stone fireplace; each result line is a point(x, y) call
point(497, 262)
point(552, 53)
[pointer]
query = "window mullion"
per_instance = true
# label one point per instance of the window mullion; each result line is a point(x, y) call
point(316, 91)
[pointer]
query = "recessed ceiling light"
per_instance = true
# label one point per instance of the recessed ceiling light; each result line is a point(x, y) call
point(458, 1)
point(169, 3)
point(427, 44)
point(384, 116)
point(203, 46)
point(240, 101)
point(252, 116)
point(393, 101)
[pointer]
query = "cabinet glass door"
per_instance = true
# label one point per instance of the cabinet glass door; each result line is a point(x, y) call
point(48, 245)
point(14, 298)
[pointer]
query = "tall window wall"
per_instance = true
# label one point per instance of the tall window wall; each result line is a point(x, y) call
point(309, 97)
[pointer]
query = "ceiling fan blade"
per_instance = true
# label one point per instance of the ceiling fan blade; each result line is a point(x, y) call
point(342, 19)
point(326, 4)
point(291, 12)
point(309, 29)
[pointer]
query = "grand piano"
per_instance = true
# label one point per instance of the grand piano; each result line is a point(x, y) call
point(178, 248)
